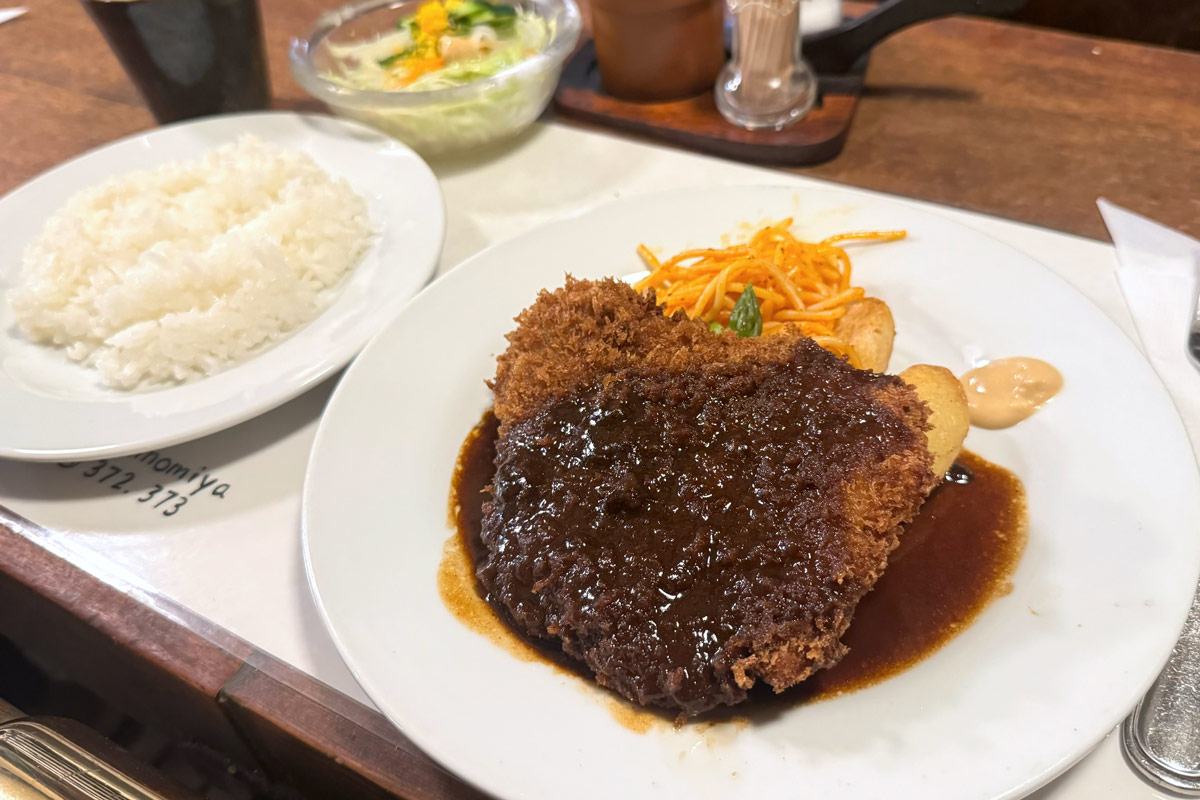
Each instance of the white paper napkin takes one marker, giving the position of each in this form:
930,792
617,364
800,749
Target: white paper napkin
11,13
1158,276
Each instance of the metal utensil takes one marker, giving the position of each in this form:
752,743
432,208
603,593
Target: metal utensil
49,758
1161,738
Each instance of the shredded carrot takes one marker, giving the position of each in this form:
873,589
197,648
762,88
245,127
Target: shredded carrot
801,284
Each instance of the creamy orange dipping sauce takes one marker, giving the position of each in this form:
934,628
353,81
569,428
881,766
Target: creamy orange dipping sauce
1002,393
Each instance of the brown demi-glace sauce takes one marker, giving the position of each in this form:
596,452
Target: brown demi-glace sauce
953,559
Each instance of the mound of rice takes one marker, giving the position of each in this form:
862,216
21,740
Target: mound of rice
172,274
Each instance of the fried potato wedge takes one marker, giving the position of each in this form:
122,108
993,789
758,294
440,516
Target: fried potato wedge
869,328
948,418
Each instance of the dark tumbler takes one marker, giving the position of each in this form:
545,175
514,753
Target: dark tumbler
188,58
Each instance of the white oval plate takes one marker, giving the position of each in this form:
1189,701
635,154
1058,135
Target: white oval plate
1040,677
54,409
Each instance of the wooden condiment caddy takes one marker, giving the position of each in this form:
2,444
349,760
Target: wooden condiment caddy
839,58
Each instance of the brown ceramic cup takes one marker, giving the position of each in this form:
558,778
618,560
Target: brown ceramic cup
655,50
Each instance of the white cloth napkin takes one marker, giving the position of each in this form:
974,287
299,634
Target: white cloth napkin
11,13
1158,276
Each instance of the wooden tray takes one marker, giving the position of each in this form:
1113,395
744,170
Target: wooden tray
697,124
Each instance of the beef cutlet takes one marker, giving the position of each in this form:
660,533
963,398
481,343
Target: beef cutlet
688,513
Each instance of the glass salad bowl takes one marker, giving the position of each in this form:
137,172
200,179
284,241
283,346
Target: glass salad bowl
433,121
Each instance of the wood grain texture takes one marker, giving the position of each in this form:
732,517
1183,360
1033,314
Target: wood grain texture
325,743
1170,22
1006,119
1029,124
115,642
169,668
696,123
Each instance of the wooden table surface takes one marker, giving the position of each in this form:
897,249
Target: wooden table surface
1019,122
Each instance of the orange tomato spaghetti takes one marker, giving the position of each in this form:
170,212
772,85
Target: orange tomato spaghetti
797,283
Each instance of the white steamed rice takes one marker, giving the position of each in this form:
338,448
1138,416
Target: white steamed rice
171,274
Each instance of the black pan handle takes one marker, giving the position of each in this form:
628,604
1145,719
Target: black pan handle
836,51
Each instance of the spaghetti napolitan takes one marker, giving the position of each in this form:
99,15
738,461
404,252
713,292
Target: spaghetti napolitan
804,285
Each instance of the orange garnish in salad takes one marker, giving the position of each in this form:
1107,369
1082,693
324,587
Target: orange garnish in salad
432,19
417,66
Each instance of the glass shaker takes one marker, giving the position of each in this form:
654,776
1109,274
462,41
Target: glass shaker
765,85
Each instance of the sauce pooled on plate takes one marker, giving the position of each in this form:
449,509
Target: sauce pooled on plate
953,559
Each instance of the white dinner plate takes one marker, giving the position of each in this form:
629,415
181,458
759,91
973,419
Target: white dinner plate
54,409
1041,676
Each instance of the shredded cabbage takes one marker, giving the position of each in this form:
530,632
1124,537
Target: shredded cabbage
532,34
442,126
